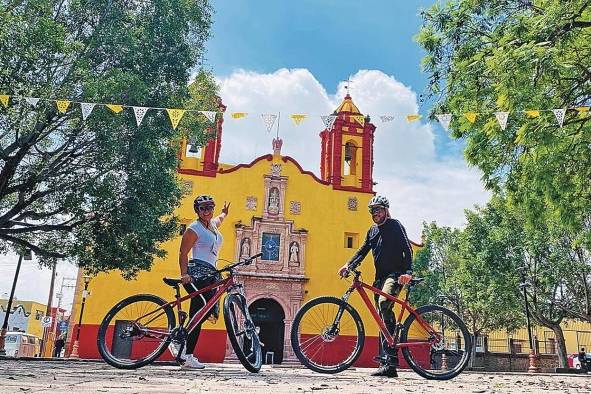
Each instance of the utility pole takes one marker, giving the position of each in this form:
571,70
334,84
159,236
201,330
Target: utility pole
46,330
9,307
59,297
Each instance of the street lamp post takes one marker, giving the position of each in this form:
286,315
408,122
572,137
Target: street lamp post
9,307
533,357
74,353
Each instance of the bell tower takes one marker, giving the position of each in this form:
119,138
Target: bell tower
347,149
203,160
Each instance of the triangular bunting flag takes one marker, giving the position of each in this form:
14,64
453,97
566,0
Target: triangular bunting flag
210,115
386,118
297,118
269,120
444,120
86,109
359,119
328,121
502,118
139,113
532,113
238,115
175,116
471,116
583,111
4,99
559,113
413,117
32,100
115,107
62,105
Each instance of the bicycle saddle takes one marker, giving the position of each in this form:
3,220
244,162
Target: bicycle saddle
171,281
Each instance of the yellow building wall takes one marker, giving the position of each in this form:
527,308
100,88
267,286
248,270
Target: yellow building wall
31,307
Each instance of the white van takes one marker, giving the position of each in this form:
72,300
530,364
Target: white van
21,344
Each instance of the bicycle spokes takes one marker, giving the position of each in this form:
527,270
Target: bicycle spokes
442,347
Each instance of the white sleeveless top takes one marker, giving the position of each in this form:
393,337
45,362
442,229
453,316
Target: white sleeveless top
208,242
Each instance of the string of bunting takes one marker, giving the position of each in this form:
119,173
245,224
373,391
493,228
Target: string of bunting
176,114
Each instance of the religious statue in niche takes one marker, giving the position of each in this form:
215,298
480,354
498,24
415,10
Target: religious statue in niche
294,252
274,200
245,248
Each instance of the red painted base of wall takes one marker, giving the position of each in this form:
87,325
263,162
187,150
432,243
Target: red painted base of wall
211,347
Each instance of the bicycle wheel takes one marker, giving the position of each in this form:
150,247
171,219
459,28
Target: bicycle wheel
135,331
242,333
327,335
438,359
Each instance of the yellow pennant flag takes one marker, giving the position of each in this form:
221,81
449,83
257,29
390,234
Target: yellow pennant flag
4,99
297,118
115,107
360,119
413,117
238,115
583,111
175,116
471,116
533,113
62,105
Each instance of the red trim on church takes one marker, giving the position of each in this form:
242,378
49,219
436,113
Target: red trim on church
291,159
268,157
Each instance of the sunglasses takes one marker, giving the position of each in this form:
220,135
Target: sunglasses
206,208
374,210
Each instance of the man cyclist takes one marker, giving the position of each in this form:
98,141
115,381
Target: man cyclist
392,255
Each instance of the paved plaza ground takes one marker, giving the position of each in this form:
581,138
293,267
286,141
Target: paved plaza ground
95,377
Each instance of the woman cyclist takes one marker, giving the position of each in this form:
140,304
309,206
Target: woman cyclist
204,240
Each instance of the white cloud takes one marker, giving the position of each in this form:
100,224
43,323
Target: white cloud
420,185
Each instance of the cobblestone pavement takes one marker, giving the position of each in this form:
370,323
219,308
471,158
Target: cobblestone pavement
92,377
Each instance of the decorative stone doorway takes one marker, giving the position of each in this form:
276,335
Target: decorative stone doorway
269,317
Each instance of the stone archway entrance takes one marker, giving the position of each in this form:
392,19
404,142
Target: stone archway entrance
269,316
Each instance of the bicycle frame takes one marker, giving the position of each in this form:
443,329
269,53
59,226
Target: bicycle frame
392,340
223,286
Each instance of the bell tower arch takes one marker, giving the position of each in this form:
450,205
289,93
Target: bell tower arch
347,149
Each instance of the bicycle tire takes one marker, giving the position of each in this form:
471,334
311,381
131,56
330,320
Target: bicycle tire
416,365
102,340
300,347
242,333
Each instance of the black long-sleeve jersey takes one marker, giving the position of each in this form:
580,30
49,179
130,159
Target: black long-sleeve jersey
390,247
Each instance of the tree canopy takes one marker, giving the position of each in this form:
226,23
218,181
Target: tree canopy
100,191
514,55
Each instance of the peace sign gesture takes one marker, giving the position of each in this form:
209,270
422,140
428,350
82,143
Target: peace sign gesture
226,208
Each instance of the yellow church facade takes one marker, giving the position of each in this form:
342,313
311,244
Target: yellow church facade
305,225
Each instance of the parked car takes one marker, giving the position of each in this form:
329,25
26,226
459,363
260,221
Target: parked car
20,344
573,361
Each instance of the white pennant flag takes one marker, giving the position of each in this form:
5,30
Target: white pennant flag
328,121
502,118
559,113
210,115
32,100
269,120
139,113
444,120
86,109
386,118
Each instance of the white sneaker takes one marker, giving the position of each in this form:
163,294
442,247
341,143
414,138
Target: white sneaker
191,362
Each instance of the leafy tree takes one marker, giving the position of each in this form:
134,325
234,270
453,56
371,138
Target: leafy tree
515,55
99,191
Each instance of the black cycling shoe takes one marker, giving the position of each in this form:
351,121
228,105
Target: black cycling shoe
388,371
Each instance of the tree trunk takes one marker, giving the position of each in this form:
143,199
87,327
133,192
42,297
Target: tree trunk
561,346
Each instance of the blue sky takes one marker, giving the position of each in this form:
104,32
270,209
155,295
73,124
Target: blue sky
333,39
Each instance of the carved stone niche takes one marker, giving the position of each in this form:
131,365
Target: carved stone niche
291,256
275,187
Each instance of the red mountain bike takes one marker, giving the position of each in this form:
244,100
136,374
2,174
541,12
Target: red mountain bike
327,334
140,328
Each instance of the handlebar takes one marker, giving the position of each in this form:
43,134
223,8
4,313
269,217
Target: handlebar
246,261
